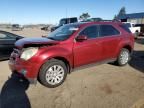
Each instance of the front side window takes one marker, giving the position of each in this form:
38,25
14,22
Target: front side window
108,30
90,32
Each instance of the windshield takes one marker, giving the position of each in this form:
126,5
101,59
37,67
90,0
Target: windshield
63,32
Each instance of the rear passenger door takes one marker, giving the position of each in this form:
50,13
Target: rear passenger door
110,41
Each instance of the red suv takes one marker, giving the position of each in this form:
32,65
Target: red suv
49,59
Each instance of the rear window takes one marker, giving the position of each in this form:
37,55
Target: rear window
125,28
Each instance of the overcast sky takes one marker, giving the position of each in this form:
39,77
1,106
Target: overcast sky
50,11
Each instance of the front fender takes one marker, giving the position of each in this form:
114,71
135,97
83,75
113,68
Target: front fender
46,55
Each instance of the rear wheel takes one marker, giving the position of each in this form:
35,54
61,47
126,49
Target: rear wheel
136,34
123,57
53,73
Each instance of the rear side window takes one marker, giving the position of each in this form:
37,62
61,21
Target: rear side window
108,30
91,31
125,28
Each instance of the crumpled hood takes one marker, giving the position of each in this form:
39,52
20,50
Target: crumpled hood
34,41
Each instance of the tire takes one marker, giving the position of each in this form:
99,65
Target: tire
53,73
124,57
136,34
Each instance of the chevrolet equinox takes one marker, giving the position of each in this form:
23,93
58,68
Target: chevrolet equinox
49,59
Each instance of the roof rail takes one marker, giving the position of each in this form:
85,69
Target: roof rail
115,20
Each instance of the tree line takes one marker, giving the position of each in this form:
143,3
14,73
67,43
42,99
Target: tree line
86,16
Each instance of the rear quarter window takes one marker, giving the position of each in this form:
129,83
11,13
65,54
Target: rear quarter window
123,26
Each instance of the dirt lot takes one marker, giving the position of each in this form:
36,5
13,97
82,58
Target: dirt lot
102,86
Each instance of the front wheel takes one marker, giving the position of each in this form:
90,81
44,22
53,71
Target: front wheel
123,57
53,73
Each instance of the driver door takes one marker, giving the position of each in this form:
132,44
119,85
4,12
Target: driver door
90,50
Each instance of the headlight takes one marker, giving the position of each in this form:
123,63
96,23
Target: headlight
28,53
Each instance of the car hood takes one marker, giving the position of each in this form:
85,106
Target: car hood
34,42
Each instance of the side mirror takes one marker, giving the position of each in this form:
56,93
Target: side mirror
81,38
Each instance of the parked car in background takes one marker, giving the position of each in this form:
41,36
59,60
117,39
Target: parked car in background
141,29
46,28
49,59
64,21
7,41
135,30
16,27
